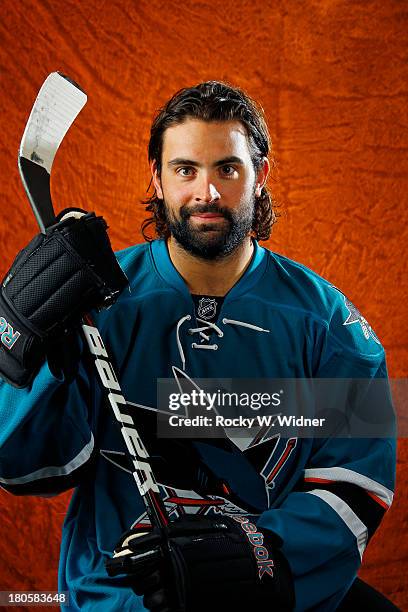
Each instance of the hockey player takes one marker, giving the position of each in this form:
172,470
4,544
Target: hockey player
265,520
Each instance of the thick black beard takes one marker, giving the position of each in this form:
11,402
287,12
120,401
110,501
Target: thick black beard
206,242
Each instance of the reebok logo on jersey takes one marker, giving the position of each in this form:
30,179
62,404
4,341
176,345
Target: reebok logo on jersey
207,308
256,538
8,335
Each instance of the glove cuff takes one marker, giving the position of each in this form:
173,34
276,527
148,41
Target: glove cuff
274,577
20,349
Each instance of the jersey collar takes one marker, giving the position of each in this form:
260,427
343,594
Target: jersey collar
171,276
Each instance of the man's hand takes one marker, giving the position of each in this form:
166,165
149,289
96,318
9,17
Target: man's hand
203,563
57,278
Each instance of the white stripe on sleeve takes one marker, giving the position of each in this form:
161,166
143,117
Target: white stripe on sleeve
340,474
54,470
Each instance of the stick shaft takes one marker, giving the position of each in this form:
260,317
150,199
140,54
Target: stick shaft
139,458
59,101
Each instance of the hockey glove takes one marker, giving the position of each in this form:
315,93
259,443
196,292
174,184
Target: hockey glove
203,563
56,279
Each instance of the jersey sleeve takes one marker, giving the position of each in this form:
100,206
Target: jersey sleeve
347,485
46,434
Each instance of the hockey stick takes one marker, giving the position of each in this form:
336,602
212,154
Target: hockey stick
57,105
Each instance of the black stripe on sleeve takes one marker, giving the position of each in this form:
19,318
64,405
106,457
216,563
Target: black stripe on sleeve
368,511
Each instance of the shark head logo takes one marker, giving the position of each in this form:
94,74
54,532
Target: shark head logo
189,470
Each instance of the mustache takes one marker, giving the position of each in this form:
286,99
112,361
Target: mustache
187,211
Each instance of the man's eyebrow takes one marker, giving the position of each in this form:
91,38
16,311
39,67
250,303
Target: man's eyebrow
181,161
232,159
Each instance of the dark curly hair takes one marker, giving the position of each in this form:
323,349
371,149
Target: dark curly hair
212,101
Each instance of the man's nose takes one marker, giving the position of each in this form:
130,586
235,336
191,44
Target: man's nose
207,192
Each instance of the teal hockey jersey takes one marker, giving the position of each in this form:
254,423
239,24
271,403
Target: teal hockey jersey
323,496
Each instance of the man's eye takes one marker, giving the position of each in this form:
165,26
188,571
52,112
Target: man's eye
227,170
185,171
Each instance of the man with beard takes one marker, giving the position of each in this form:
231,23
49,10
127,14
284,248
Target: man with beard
262,520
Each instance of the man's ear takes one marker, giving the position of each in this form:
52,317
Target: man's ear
262,176
156,179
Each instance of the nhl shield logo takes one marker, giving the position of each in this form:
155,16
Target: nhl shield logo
207,308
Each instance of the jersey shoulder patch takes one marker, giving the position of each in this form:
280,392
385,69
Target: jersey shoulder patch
317,297
351,329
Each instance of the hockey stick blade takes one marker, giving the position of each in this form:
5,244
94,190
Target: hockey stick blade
55,109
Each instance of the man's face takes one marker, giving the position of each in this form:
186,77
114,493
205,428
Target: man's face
208,184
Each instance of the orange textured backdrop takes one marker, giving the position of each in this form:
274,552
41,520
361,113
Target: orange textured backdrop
332,78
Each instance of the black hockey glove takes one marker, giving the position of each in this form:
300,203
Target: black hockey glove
202,563
56,279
